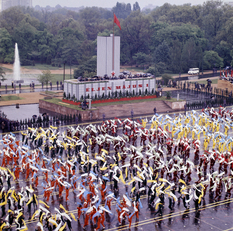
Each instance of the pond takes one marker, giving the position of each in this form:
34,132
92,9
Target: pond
23,112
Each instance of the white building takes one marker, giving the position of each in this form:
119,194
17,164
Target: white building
104,55
5,4
97,88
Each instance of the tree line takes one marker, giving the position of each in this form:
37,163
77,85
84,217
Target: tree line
167,38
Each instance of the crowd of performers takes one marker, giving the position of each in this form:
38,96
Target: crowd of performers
112,168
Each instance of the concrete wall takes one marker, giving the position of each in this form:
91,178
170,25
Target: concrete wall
104,55
86,115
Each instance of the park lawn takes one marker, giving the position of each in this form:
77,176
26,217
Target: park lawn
47,67
59,77
10,97
77,107
214,81
7,70
133,69
135,101
55,78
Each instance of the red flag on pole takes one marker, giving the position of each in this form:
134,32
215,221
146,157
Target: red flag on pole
117,21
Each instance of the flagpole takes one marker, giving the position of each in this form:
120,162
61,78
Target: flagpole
113,46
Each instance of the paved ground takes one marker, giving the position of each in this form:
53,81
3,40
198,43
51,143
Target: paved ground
142,108
212,215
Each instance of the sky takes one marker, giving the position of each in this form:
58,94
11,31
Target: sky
110,3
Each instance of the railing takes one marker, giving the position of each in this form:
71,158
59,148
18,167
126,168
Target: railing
200,96
45,121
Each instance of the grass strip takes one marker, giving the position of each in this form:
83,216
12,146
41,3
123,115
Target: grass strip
10,97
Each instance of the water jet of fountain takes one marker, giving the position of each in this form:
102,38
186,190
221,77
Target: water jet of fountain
17,66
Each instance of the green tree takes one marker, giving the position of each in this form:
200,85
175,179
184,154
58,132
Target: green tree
135,35
122,10
161,12
2,74
25,34
69,46
161,67
183,14
45,78
169,33
141,59
54,22
90,18
11,18
166,78
211,59
224,51
44,47
88,69
162,53
6,47
136,7
175,55
153,70
211,20
191,55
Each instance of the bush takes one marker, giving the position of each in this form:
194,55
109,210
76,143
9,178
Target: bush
168,94
153,71
161,67
26,62
120,93
166,78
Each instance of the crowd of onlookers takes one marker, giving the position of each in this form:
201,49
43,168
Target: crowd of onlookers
123,75
9,125
227,74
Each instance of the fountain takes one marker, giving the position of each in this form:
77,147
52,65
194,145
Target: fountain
17,66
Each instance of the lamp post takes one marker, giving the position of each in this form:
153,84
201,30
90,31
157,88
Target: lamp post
64,72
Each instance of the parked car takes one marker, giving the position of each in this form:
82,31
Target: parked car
193,71
126,72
